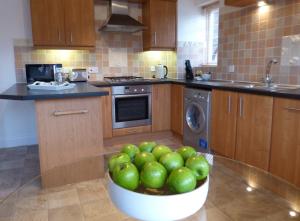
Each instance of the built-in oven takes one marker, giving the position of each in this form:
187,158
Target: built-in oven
131,106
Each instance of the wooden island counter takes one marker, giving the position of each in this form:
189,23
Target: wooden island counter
70,136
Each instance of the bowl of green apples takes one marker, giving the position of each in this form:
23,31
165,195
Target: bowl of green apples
153,182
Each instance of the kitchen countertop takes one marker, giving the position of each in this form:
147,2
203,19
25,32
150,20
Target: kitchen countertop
207,85
21,92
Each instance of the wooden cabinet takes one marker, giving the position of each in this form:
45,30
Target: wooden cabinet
161,107
285,148
79,23
223,124
107,115
48,28
70,140
254,127
63,23
240,3
241,126
160,18
177,109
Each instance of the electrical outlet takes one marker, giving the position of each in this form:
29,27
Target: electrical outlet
93,70
231,68
152,68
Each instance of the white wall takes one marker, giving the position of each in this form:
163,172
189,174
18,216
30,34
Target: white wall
190,21
17,118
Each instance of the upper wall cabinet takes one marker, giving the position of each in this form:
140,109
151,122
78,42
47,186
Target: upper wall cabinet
160,18
63,23
240,3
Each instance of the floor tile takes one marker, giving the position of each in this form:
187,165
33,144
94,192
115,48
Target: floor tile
91,191
68,213
31,215
97,208
63,198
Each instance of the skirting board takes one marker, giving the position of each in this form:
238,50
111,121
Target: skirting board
17,141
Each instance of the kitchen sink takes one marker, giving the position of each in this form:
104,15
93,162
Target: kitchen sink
257,85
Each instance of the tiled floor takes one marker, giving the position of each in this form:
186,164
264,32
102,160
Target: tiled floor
17,167
89,201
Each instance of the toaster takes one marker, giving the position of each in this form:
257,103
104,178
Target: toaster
78,75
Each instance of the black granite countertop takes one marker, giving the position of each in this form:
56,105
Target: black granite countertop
207,85
21,92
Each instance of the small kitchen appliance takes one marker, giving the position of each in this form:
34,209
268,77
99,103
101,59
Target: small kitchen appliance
78,75
189,75
161,71
41,72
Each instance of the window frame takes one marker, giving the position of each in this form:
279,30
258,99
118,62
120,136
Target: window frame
207,12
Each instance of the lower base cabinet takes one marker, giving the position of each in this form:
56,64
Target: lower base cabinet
107,115
70,140
161,107
285,149
254,128
177,109
241,126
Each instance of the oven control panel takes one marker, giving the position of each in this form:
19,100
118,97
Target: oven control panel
132,89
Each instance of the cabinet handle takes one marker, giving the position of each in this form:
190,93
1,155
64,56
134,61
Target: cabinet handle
229,104
63,113
155,38
241,106
71,37
292,109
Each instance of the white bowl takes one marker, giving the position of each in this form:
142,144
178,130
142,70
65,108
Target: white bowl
157,208
206,77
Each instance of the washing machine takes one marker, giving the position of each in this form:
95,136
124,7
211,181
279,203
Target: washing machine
197,105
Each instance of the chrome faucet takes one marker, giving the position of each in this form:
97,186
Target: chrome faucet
268,78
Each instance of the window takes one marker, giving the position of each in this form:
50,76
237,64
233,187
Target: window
212,33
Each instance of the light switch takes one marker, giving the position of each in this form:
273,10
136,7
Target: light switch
231,68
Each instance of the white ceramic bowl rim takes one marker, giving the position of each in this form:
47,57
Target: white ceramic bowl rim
157,196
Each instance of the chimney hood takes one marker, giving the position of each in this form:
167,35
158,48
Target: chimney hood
119,20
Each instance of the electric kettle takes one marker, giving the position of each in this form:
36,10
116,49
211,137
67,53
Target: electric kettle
161,71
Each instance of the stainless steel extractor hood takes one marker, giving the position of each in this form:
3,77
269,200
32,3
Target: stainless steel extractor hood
119,20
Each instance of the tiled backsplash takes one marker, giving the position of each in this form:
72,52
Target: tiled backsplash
116,54
249,38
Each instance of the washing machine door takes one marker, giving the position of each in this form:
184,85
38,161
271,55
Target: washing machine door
195,117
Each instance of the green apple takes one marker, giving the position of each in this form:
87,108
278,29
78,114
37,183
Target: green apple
160,150
142,158
131,150
187,152
181,180
153,175
126,175
171,161
117,159
147,146
199,166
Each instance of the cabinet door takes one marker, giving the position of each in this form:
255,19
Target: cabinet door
177,109
162,24
223,126
107,115
285,150
254,127
70,140
161,107
80,27
47,22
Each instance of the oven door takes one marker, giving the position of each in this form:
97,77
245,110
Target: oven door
131,110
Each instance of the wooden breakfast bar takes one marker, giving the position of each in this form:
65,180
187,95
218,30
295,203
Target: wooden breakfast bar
70,134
